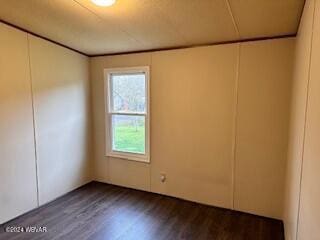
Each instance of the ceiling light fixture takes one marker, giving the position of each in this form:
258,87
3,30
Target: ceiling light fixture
104,3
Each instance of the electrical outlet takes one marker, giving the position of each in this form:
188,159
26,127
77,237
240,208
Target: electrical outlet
163,177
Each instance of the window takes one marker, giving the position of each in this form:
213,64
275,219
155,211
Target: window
127,113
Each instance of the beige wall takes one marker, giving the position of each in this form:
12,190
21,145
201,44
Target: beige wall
302,211
297,121
263,114
18,191
303,217
192,123
197,125
56,151
309,219
60,80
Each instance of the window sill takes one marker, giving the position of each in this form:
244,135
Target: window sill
129,157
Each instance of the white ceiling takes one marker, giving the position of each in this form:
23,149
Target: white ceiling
136,25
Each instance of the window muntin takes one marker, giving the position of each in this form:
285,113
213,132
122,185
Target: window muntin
127,113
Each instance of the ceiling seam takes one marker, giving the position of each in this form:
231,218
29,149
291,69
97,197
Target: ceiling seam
104,20
233,19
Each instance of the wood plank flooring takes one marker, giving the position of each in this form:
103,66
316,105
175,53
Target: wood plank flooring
100,211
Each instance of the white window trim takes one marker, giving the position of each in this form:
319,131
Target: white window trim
108,115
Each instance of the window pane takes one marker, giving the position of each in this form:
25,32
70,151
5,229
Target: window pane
128,92
128,133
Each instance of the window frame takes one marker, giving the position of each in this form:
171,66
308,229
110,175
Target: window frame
109,152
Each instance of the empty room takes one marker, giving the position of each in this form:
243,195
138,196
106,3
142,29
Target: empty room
160,119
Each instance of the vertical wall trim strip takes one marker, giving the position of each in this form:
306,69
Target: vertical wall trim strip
235,127
305,121
92,136
33,120
150,119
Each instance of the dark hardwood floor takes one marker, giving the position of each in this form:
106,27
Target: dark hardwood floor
102,211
